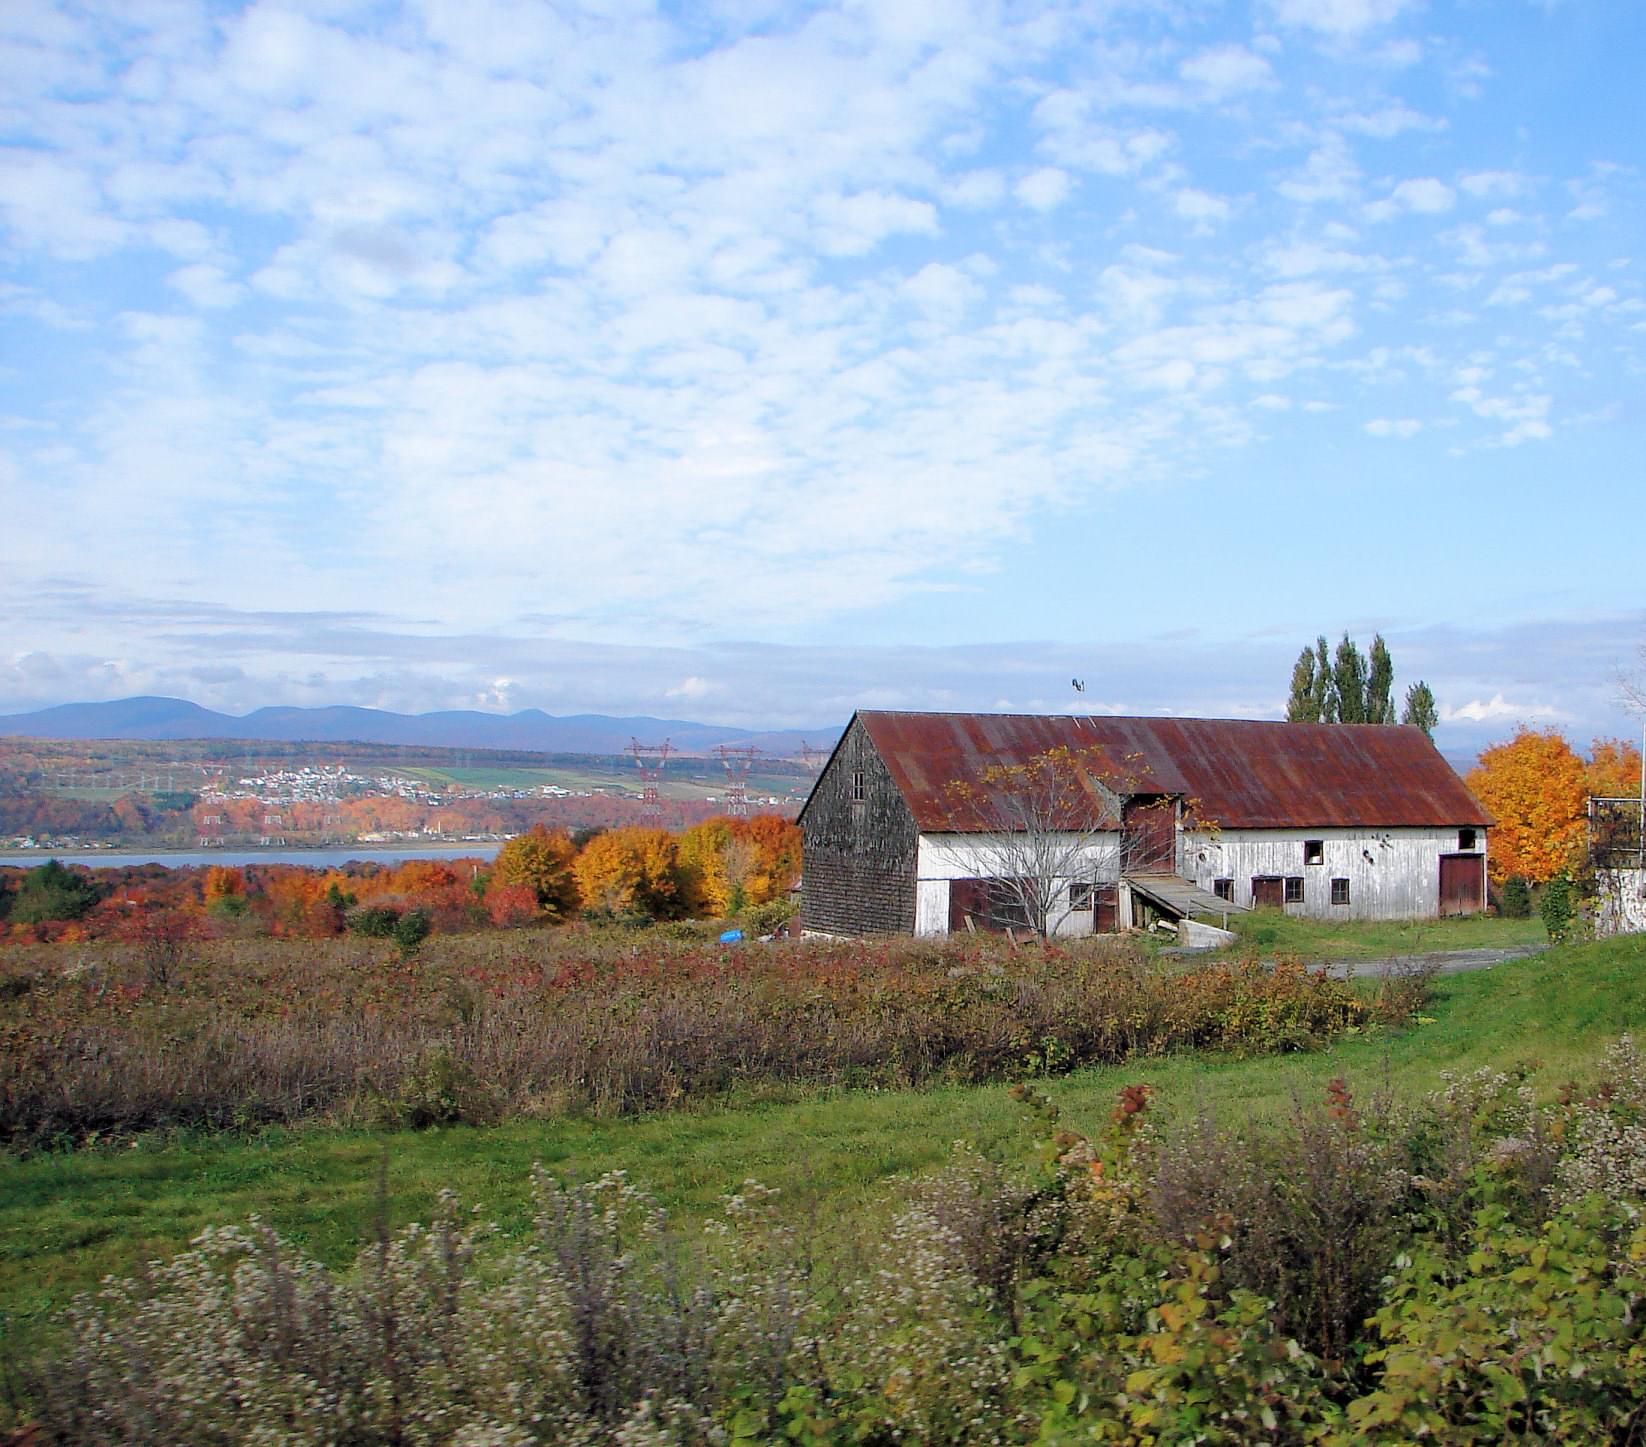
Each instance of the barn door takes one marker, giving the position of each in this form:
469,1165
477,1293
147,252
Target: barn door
1105,909
1462,883
1268,891
1148,837
968,898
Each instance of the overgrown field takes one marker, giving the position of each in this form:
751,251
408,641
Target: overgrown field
236,1034
1396,1238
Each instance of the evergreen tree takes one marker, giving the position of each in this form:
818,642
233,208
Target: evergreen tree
52,892
1380,683
1420,708
1349,679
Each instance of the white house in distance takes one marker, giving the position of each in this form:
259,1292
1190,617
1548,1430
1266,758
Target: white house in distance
912,824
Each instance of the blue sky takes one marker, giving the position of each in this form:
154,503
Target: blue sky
750,361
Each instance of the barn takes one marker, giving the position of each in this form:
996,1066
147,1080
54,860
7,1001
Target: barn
928,823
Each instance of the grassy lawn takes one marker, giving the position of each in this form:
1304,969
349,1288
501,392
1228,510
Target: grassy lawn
67,1219
1275,933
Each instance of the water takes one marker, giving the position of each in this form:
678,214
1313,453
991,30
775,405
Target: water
311,858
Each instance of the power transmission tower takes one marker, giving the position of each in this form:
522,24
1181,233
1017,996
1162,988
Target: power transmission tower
650,759
738,762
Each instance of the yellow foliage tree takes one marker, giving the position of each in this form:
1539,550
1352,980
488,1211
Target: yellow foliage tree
1535,785
543,861
630,871
705,891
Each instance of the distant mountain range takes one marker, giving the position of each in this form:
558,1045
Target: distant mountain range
531,729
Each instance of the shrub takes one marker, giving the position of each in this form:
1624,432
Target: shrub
410,930
1557,908
1515,901
1141,1285
610,1021
375,921
768,918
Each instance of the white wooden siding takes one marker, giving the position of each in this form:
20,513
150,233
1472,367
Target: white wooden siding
1392,873
943,857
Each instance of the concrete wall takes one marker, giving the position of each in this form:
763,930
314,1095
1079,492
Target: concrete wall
1392,873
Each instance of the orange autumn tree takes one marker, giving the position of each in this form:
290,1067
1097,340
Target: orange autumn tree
541,860
1536,786
776,871
727,864
1614,770
630,871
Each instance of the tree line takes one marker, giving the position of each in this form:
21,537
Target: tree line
1350,687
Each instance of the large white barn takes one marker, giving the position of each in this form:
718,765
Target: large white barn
918,818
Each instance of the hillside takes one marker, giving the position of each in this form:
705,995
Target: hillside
531,729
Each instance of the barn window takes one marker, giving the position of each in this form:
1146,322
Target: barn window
1080,895
1340,891
857,786
1314,851
1465,838
1294,889
1223,888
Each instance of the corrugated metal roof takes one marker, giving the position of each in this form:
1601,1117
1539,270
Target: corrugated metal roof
1234,773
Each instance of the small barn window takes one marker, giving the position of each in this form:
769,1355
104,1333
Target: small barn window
1080,895
858,793
1340,891
1223,888
1294,889
1314,851
1465,838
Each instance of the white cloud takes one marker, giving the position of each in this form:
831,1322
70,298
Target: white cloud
1044,189
1493,185
1497,708
1425,195
1199,207
1393,427
1340,19
1227,70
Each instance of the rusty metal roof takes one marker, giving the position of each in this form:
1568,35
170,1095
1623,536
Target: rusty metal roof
1233,773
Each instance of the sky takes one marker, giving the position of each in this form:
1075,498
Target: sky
751,362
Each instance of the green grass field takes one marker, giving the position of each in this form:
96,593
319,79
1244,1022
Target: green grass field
1275,933
67,1219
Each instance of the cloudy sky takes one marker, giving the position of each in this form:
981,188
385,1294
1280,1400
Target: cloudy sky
747,361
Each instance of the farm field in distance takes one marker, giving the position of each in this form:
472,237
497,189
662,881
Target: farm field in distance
68,795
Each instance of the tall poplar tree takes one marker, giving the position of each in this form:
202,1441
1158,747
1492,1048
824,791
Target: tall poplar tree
1380,683
1304,704
1349,676
1420,708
